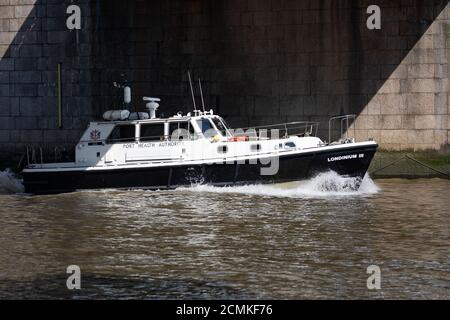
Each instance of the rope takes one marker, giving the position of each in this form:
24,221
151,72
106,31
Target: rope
390,164
427,166
406,156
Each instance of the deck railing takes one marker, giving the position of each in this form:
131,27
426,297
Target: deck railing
37,154
281,130
344,125
264,132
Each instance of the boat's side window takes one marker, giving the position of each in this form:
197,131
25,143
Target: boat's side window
181,131
122,133
152,132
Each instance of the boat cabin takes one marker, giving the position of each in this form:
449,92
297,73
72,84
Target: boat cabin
200,135
204,125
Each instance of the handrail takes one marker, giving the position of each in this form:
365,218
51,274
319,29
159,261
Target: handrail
342,118
287,127
36,154
281,124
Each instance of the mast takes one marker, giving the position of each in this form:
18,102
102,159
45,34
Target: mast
201,94
192,91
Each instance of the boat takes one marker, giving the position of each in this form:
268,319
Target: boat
140,150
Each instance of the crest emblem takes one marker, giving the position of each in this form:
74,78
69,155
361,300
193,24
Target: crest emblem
95,134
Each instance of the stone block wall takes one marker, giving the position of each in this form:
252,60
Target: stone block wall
33,40
411,110
265,61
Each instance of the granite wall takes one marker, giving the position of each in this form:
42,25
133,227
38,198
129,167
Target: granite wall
261,61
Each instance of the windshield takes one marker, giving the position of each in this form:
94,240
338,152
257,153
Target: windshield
207,128
220,126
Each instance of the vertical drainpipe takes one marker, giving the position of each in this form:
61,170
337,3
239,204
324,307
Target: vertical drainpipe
59,96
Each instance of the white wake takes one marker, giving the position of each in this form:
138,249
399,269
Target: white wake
9,184
323,185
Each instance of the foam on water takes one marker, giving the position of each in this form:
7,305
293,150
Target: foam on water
329,184
323,185
9,184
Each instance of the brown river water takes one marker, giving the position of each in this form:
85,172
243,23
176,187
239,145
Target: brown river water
305,240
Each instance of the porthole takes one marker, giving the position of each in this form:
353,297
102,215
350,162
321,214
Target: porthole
222,149
255,147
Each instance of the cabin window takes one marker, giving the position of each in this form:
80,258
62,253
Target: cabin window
222,149
207,128
255,147
181,131
220,126
152,132
122,133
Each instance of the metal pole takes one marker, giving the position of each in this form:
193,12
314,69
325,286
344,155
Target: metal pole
346,129
329,131
192,91
201,94
59,95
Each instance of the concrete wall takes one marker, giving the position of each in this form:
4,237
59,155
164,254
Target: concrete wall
260,61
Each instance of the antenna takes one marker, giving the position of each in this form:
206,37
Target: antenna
192,91
201,94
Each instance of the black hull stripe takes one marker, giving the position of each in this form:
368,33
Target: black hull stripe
291,168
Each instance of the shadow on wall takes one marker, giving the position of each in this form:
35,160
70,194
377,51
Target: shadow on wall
260,61
34,39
